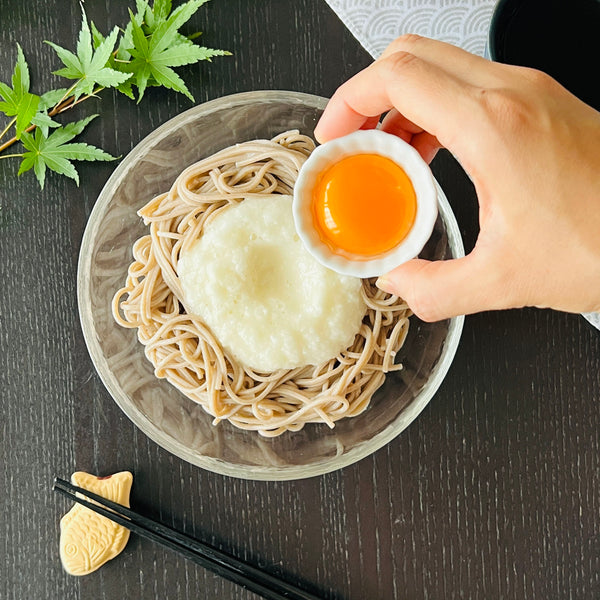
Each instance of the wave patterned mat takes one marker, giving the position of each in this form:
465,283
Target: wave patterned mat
375,23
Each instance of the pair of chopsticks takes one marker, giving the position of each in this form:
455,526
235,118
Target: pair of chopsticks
211,558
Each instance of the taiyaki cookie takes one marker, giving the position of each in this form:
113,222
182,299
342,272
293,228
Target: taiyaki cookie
87,539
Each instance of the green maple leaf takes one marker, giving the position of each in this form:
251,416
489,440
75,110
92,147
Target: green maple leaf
52,98
119,59
89,65
18,101
155,46
55,153
161,10
97,36
27,109
166,31
20,78
44,122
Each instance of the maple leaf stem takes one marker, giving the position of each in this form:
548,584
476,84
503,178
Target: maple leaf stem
11,155
68,103
7,144
14,139
8,127
65,98
62,106
10,142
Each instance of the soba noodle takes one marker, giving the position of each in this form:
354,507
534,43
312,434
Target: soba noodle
184,351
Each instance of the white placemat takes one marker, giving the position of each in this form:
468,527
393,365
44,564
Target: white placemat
375,23
593,318
464,23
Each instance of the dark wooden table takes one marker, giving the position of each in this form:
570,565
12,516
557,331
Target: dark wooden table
494,492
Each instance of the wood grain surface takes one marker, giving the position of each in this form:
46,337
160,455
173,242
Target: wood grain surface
494,492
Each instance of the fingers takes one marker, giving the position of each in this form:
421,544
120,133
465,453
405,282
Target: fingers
370,123
426,145
426,95
456,61
397,124
443,289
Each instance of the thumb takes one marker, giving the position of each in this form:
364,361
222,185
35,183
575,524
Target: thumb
443,289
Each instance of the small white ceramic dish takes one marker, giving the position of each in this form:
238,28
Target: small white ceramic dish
366,142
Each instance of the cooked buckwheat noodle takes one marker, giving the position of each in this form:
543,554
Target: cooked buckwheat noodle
182,348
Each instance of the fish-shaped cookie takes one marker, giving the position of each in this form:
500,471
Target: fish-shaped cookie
87,539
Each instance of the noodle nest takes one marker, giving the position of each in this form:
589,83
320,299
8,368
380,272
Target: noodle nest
185,352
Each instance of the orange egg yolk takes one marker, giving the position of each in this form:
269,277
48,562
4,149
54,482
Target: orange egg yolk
363,205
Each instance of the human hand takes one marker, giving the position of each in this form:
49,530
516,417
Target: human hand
530,147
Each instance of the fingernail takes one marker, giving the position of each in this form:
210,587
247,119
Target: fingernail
317,134
384,285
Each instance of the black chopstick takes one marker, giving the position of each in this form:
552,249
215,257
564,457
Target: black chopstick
208,556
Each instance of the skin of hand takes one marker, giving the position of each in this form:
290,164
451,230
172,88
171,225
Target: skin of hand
532,150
